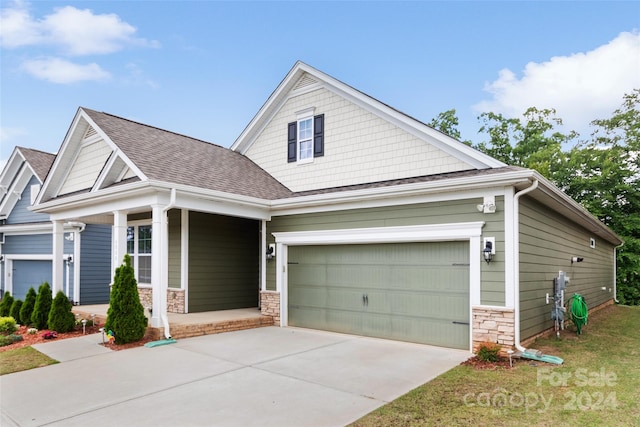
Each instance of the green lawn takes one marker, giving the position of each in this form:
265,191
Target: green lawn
598,384
22,359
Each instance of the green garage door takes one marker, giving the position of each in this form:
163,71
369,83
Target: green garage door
416,292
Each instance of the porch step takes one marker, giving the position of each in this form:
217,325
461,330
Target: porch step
194,330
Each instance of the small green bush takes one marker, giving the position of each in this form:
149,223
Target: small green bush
27,307
5,305
61,318
489,352
9,339
40,315
15,310
7,325
125,316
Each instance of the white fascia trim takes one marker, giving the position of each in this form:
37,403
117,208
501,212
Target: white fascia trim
24,229
15,191
28,257
466,187
11,168
412,233
39,228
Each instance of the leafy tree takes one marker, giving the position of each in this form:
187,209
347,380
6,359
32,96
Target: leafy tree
40,315
5,305
530,144
61,318
15,310
27,307
448,123
604,176
125,316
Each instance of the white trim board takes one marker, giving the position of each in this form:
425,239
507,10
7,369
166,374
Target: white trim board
470,231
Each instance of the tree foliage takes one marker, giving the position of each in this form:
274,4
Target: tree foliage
61,317
40,315
5,304
602,173
27,307
125,316
15,310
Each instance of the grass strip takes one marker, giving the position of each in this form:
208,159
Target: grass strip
22,359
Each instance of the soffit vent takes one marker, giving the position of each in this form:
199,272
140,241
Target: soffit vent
305,80
90,132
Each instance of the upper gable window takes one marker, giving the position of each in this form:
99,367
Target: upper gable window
305,137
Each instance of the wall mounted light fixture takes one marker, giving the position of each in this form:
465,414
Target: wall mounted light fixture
271,251
489,249
576,259
488,205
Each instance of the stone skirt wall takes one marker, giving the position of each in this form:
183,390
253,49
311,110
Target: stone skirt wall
270,305
495,325
175,299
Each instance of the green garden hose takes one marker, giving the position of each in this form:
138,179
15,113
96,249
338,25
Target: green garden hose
579,312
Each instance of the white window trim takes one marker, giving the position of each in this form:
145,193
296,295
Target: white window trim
301,116
469,231
135,253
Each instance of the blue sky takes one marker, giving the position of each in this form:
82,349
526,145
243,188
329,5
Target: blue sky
204,68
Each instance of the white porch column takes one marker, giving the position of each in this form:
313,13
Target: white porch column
118,240
159,264
57,272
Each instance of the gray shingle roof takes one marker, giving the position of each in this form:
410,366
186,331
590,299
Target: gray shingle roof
170,157
40,161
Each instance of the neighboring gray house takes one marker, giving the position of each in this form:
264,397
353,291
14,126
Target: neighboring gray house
26,240
332,211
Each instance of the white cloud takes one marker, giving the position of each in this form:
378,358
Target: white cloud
76,31
581,87
58,70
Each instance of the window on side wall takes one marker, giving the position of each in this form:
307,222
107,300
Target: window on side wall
305,139
139,248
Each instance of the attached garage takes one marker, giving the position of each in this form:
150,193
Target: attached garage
417,292
28,273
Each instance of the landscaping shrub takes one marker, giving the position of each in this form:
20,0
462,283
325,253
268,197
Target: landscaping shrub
61,319
9,339
5,305
40,315
488,352
125,316
7,325
15,310
27,307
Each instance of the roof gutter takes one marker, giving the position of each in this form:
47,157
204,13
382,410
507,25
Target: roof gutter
516,261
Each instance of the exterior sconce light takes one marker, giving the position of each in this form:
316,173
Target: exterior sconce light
489,249
271,251
576,259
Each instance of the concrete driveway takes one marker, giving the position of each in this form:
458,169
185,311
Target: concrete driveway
258,377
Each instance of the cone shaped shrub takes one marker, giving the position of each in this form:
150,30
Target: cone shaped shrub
125,316
27,307
40,315
5,305
15,310
61,319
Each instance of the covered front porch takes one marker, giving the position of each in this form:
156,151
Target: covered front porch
192,324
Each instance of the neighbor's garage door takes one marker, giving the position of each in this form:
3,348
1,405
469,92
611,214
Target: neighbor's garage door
28,273
416,292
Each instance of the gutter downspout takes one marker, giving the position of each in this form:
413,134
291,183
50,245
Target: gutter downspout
163,314
615,273
516,267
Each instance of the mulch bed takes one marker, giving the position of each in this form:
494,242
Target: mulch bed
37,338
477,363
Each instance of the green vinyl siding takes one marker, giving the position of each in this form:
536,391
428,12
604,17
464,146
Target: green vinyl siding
175,247
548,241
492,289
223,262
416,292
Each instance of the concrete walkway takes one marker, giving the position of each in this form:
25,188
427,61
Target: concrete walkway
258,377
